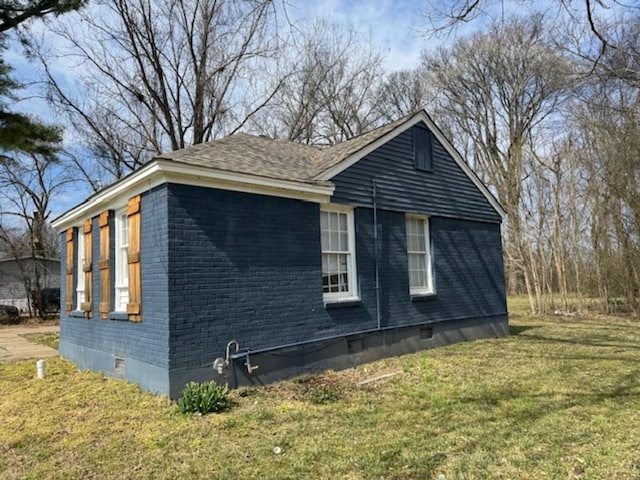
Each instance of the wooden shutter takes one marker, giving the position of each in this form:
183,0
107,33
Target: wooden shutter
69,272
134,305
86,268
103,265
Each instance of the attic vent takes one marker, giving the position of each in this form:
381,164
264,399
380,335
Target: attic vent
422,152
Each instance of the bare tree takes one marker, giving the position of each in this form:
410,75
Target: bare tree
27,188
445,15
498,88
160,75
609,124
330,93
404,92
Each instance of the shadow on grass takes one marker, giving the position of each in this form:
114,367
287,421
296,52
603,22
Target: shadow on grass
519,329
523,417
559,375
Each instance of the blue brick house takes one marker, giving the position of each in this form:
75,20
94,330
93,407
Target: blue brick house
267,259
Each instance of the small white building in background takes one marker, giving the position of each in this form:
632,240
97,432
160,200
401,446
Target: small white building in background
13,272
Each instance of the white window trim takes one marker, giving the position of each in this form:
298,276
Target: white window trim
352,293
121,282
429,288
80,286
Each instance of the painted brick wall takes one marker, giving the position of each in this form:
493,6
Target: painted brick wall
146,342
248,267
244,267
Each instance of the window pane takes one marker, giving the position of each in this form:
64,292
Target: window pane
324,240
423,279
343,221
125,267
333,221
336,256
411,226
79,265
122,261
334,232
344,241
334,240
413,278
343,285
418,254
335,277
412,244
413,264
334,263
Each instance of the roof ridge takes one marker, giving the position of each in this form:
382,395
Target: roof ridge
330,156
398,121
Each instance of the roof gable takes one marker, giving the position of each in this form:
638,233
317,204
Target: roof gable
334,160
390,178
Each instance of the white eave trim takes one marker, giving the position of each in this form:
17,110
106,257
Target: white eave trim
420,116
161,171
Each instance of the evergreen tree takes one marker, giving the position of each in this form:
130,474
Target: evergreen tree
20,132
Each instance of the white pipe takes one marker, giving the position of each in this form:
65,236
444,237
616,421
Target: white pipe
41,367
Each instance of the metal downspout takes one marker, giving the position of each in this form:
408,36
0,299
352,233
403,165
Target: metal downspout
375,248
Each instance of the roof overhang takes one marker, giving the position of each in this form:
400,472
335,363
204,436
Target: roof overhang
420,116
161,171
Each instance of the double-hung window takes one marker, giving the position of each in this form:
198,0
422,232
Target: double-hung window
122,261
338,253
80,290
419,255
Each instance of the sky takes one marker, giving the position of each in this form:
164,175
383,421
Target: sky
395,27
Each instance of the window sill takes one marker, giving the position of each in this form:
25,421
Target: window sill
342,302
78,314
118,316
423,297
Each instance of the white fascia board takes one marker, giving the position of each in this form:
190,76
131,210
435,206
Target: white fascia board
113,197
182,173
160,171
420,116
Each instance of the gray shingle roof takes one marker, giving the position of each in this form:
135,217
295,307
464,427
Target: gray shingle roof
277,159
244,153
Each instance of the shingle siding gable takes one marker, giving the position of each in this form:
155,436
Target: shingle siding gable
445,191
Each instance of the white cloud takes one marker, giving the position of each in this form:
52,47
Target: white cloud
392,24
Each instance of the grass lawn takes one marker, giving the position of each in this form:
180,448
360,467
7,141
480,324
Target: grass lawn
47,339
559,398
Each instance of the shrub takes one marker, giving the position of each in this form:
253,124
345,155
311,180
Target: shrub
203,398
